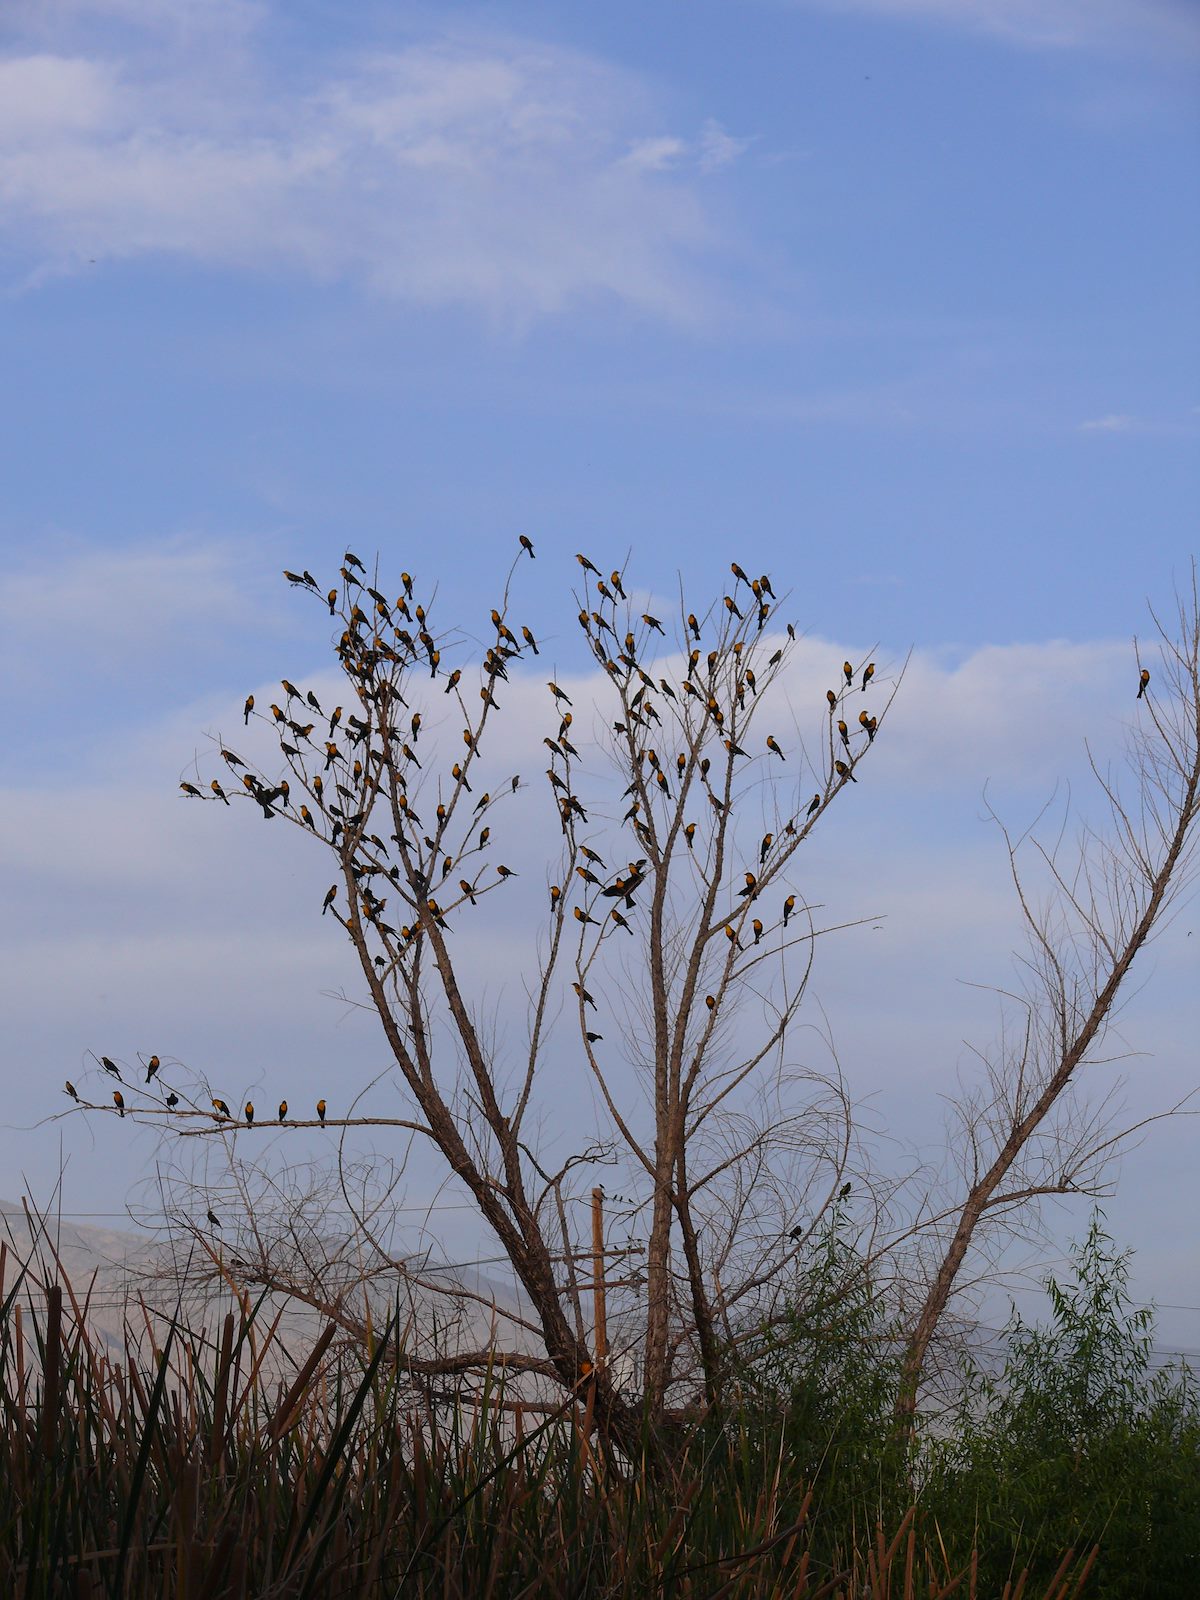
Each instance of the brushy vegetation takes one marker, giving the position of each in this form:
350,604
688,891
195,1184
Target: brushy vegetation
184,1471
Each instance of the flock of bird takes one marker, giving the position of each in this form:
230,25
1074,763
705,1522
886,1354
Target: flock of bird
219,1114
354,759
373,755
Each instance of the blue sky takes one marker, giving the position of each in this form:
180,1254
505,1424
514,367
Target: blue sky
898,295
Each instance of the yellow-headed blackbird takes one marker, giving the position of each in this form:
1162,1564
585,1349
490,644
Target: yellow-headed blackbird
615,579
557,692
555,895
772,746
335,716
814,805
587,876
844,732
69,1088
868,674
849,671
190,788
152,1067
689,833
218,791
249,1112
283,1111
734,749
452,680
232,760
213,1219
758,929
507,872
119,1101
289,689
789,905
831,697
738,573
406,580
110,1066
732,609
620,920
529,639
583,994
526,544
751,886
332,598
582,917
731,935
247,709
469,890
277,713
306,816
694,626
764,847
681,764
843,771
587,565
321,1110
872,724
221,1107
591,855
352,560
775,659
653,622
1143,681
710,1002
329,899
484,835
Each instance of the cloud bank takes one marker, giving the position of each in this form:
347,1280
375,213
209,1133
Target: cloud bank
509,176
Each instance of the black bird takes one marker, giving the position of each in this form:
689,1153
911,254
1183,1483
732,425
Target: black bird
69,1088
526,544
172,1099
283,1111
119,1101
152,1067
1143,682
214,1219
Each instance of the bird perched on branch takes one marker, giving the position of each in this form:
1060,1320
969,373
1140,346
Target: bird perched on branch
868,674
848,670
789,905
321,1111
119,1101
843,771
69,1088
526,544
249,1113
213,1219
110,1067
283,1111
221,1108
587,565
1143,682
774,748
152,1067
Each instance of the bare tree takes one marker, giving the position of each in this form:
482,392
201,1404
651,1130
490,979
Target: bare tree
1028,1132
673,908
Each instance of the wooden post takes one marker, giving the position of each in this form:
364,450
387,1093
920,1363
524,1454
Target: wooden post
600,1334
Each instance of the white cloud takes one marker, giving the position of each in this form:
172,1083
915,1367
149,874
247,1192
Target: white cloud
1114,422
497,174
